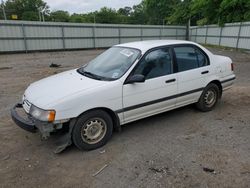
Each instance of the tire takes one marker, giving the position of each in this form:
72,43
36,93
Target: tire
92,130
208,98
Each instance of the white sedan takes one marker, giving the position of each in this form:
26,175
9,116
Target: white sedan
125,83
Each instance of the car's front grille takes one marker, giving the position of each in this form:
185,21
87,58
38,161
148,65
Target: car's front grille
26,105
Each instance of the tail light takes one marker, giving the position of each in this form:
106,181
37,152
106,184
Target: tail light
232,67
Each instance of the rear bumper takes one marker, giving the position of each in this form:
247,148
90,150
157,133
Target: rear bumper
25,123
228,82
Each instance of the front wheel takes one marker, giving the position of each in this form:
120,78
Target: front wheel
208,98
92,130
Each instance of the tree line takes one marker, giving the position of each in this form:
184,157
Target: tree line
155,12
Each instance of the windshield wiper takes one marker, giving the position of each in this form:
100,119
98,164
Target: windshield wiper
89,74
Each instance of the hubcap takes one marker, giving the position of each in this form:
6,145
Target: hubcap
93,130
210,98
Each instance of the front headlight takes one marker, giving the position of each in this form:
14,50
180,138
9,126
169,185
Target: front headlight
42,115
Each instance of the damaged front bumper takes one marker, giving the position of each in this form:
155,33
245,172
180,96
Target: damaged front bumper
26,122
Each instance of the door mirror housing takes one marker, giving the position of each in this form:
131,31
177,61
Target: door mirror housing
137,78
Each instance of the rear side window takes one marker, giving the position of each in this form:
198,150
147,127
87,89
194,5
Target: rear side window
189,58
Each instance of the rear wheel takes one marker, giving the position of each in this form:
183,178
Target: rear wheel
208,98
92,130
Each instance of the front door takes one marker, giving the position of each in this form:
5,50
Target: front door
157,93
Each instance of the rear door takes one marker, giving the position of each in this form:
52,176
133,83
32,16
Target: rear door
156,93
192,72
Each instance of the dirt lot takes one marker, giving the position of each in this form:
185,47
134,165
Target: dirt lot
167,150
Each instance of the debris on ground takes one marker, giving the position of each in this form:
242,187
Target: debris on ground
4,68
6,157
99,171
27,159
102,151
159,170
205,169
245,172
54,65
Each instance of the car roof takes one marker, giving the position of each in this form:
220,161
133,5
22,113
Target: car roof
148,44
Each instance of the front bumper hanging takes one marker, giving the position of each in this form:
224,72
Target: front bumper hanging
25,123
28,124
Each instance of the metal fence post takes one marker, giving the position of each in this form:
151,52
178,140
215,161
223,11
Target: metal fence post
176,33
141,33
196,34
221,28
238,37
24,39
161,32
119,33
206,35
93,31
63,38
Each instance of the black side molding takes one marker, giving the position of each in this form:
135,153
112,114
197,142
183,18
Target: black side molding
227,80
158,100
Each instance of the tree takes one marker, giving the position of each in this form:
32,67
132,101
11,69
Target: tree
234,11
207,11
181,14
158,10
30,15
27,9
77,18
138,14
106,15
60,16
126,11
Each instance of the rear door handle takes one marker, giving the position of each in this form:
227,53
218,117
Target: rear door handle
171,80
205,72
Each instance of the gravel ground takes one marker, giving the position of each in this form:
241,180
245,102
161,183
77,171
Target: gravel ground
180,148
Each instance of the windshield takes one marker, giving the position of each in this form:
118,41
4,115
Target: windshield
111,64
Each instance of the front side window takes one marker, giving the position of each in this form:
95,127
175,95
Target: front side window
189,58
111,64
155,64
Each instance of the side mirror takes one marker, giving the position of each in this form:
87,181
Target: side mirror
135,78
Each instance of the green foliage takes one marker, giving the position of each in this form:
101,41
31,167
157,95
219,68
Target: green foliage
181,14
30,15
157,12
106,15
221,11
60,16
25,9
234,11
138,15
77,18
126,11
208,9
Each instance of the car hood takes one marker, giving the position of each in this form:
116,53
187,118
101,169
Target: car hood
50,90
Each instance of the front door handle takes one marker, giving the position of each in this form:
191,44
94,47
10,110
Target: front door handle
171,80
205,72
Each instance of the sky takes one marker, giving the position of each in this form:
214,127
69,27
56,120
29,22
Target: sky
84,6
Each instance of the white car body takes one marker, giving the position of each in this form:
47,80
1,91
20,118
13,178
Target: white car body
71,94
61,100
